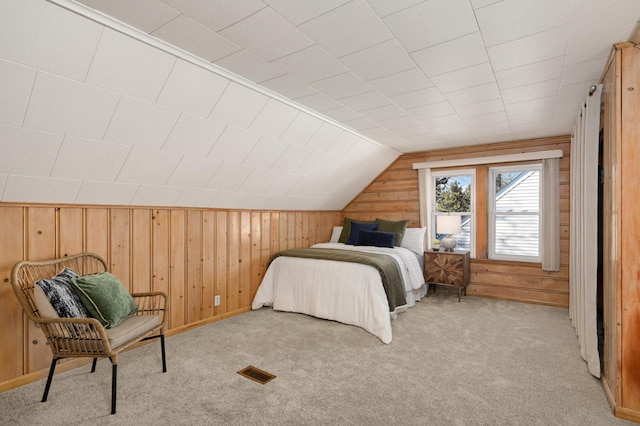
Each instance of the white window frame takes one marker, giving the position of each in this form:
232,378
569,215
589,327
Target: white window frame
455,172
492,212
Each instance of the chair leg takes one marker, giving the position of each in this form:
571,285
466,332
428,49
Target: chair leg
49,378
93,365
114,379
164,358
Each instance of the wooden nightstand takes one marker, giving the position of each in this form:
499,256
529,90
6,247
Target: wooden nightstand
447,268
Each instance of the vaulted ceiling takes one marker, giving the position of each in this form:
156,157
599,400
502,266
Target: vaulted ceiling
278,104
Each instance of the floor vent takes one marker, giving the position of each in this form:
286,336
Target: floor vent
256,374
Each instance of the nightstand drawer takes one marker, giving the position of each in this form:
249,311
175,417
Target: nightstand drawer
447,268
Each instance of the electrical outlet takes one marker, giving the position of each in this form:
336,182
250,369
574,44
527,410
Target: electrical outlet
216,300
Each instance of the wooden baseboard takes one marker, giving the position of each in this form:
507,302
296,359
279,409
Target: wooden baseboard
70,364
627,414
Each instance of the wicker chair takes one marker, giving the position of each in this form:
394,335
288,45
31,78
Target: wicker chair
86,337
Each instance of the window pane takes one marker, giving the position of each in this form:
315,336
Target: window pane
517,235
453,193
518,191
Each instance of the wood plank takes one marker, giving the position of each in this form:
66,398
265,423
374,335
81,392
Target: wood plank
12,320
233,258
140,259
161,230
208,263
96,239
177,267
193,283
256,255
119,253
222,264
71,230
244,261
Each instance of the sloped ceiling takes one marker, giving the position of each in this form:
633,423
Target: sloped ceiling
278,104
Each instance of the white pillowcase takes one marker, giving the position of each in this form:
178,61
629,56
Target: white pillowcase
414,239
335,235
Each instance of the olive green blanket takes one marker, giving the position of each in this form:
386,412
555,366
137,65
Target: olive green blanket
386,265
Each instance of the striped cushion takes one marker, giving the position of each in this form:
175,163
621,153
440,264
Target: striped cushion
62,296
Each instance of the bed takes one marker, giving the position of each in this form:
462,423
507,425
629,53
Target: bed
350,293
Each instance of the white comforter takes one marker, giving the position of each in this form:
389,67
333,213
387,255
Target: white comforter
350,293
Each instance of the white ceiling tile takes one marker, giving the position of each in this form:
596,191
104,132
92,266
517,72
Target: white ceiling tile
89,159
16,82
40,189
229,177
67,106
239,105
432,22
192,89
574,91
533,106
156,195
288,86
146,15
490,129
301,128
27,152
434,110
342,86
480,108
259,181
583,71
444,120
324,137
360,123
141,123
531,91
377,61
193,135
194,172
492,118
366,101
148,166
591,46
234,145
384,113
47,37
313,164
419,97
310,64
402,82
228,199
221,15
110,193
274,118
318,102
477,4
475,75
399,123
266,152
532,73
449,130
299,11
409,132
187,34
267,35
283,183
451,55
125,65
528,50
386,7
572,106
474,94
196,197
347,29
344,142
249,66
291,159
341,114
260,202
542,116
513,19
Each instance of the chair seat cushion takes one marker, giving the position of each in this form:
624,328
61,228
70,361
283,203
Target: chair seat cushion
131,328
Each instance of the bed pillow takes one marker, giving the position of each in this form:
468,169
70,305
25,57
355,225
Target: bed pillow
355,229
414,239
346,228
396,226
105,297
335,235
61,295
376,238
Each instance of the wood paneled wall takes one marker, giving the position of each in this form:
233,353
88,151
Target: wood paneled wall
394,195
191,254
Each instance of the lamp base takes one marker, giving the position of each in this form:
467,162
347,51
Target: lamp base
449,243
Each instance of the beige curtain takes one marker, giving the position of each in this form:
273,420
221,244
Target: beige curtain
550,238
425,189
583,243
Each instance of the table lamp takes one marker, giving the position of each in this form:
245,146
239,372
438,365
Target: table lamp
448,225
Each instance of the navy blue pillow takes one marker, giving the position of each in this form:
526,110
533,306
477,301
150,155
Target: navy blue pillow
356,227
376,238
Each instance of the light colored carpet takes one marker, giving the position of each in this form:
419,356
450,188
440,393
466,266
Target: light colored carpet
478,362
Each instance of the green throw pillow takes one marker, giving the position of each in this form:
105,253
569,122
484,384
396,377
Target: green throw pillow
396,226
105,298
346,228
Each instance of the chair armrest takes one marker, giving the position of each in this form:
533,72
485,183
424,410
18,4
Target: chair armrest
151,303
75,336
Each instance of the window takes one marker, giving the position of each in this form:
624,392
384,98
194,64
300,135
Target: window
454,195
514,212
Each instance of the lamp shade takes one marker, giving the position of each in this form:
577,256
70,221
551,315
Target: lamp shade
449,225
